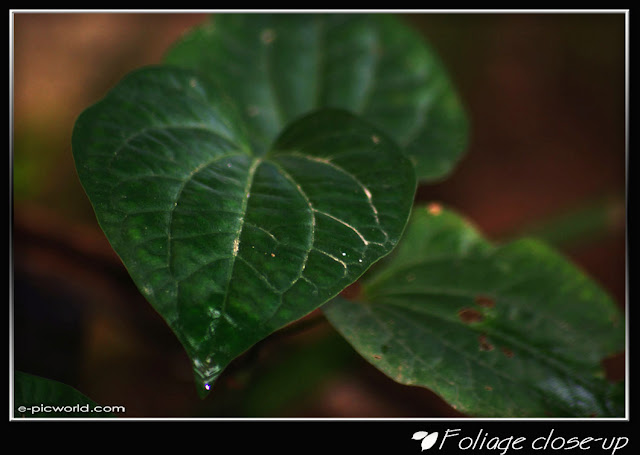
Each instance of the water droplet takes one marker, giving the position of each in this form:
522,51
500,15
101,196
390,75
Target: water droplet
359,260
344,254
207,372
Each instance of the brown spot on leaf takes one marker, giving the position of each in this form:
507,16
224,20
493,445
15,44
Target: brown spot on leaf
488,388
507,352
469,315
484,301
484,343
377,357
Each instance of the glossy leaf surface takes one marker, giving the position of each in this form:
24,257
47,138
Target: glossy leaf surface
278,67
228,243
512,330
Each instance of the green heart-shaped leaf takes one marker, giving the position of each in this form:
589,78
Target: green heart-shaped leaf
280,66
230,243
510,330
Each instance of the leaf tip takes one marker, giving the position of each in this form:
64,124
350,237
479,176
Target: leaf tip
204,388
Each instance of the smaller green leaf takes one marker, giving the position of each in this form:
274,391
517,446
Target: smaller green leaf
513,330
36,397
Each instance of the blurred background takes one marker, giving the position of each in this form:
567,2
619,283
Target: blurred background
546,99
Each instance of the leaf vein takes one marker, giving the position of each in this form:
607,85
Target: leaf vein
236,242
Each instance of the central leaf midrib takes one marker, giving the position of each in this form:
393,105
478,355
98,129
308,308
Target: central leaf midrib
271,158
236,242
176,199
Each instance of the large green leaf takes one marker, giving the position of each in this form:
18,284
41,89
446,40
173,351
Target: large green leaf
280,66
36,397
227,242
512,330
